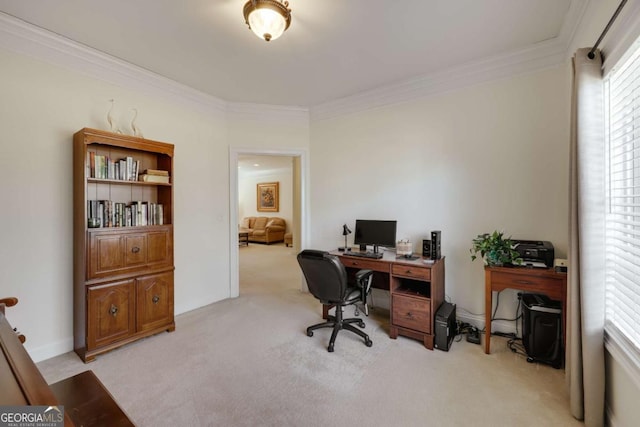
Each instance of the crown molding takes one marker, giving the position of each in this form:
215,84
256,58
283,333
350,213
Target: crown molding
540,56
29,40
269,113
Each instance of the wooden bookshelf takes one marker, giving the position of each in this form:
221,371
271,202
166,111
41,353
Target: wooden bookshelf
123,272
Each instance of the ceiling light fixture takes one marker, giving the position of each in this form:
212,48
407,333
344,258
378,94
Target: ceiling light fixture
268,19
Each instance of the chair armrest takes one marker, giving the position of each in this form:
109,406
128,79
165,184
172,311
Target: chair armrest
275,228
363,280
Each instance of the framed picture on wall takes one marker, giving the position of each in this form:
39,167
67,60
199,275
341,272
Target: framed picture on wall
268,197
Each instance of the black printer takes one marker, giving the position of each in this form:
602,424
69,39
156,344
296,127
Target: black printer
535,253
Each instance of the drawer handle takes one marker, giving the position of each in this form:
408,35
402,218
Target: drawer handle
113,310
155,299
523,282
135,249
409,314
408,272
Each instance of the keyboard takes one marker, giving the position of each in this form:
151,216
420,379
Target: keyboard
364,255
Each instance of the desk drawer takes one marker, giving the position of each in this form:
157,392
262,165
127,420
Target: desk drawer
359,263
412,313
418,273
552,286
522,281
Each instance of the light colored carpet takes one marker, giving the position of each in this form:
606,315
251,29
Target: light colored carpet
248,362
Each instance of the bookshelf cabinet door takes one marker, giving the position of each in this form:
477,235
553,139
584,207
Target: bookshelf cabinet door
159,248
154,294
135,249
110,314
105,255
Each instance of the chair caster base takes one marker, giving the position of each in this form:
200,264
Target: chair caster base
330,349
309,333
368,343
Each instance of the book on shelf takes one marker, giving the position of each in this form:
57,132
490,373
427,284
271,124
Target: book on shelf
103,167
106,213
129,162
156,172
154,178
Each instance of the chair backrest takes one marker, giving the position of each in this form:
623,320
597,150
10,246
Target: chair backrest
325,275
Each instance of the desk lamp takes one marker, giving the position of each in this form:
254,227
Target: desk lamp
345,233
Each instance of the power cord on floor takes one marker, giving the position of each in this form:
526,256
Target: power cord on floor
473,334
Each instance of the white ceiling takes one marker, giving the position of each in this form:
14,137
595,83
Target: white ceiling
333,49
249,164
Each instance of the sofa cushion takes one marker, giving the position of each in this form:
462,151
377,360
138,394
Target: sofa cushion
275,221
246,223
260,223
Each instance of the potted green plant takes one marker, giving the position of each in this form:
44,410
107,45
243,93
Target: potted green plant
495,249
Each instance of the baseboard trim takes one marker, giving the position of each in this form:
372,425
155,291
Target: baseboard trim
48,351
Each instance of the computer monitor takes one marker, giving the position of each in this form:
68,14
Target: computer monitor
376,233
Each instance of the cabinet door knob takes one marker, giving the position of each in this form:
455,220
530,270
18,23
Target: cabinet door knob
135,249
113,310
409,314
155,299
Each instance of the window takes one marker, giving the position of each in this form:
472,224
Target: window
622,273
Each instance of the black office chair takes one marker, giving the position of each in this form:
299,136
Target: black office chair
327,281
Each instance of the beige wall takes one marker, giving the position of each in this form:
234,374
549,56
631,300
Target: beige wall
492,156
42,106
247,191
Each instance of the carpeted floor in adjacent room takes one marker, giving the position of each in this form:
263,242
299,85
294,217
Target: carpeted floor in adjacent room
248,362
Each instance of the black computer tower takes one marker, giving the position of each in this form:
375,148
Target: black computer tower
542,329
445,326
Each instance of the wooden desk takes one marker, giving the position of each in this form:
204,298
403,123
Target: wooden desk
416,290
532,280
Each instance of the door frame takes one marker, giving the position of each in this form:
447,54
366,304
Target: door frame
300,242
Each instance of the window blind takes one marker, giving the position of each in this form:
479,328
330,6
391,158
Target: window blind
622,292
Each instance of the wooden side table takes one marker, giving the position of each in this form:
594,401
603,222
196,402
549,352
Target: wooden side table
243,238
533,280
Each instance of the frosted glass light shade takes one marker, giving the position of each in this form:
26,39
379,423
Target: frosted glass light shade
268,19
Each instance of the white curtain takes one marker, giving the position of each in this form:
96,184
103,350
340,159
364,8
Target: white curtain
585,338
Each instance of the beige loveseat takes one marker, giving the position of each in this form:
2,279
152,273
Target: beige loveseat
264,229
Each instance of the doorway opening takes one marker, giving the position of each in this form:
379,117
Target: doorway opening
296,212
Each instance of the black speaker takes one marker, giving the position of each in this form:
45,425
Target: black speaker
542,329
435,244
426,248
